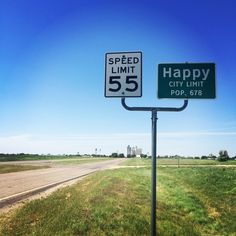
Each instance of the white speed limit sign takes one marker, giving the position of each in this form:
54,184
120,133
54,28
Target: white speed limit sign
123,74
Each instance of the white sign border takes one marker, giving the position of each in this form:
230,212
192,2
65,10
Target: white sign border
141,73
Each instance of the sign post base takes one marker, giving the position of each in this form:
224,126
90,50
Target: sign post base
154,111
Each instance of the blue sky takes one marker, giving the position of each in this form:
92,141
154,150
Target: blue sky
52,75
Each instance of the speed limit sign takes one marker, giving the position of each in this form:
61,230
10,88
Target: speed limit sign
123,74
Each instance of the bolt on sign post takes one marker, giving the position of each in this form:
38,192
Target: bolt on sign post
123,78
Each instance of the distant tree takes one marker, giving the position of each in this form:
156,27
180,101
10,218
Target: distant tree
130,156
114,154
121,155
223,155
143,156
204,157
211,156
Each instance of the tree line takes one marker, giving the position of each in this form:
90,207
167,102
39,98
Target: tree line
223,156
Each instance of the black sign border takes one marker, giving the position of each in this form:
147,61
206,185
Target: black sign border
141,83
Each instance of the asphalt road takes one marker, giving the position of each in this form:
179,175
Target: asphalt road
19,185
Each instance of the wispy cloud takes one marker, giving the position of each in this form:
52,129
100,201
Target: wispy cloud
194,134
87,143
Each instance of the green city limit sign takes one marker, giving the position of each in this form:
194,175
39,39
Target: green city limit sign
186,80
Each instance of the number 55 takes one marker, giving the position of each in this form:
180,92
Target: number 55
130,80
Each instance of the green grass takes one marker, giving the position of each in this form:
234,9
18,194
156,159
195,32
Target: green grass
163,161
106,203
32,157
190,201
200,200
8,168
182,162
15,168
137,162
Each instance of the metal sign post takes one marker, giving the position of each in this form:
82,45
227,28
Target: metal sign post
154,111
123,78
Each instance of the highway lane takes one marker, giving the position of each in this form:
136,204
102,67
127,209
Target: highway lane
19,185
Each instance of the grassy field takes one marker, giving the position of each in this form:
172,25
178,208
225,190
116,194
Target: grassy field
8,168
181,162
82,160
190,201
33,157
15,168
